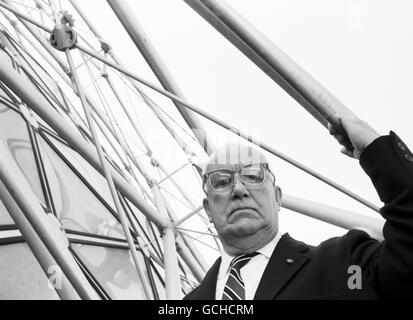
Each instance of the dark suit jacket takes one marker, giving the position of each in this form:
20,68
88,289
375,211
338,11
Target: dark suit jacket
299,271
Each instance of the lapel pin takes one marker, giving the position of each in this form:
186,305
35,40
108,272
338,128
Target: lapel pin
289,261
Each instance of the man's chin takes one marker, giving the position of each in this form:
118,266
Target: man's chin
243,229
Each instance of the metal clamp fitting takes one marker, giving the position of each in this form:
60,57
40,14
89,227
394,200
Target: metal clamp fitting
63,38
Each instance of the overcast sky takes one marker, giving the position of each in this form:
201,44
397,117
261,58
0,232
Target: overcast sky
360,50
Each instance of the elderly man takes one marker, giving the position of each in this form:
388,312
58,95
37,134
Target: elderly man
258,262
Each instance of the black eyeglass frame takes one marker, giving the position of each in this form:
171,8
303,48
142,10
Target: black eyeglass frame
205,177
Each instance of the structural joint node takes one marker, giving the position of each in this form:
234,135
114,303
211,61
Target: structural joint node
63,38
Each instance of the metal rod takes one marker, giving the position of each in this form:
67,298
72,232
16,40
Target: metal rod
40,52
127,112
190,245
90,25
176,185
189,215
274,62
119,137
128,155
55,14
169,176
251,54
143,43
111,143
45,45
29,204
187,246
107,173
198,232
146,247
203,243
154,108
338,217
236,131
187,255
172,281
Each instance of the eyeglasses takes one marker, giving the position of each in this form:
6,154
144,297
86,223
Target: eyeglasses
220,180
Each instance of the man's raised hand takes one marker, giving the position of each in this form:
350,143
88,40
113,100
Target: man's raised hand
358,131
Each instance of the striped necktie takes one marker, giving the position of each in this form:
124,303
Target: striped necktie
234,288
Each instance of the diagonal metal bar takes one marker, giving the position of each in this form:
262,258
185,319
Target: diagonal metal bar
298,83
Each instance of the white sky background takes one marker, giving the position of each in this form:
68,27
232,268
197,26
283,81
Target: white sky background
360,50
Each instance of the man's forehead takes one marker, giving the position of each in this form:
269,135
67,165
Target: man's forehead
233,156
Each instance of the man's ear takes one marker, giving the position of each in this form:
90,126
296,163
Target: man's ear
205,203
278,195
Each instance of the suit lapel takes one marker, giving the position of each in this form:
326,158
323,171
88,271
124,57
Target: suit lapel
288,257
206,290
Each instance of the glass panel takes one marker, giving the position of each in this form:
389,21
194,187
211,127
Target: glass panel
21,276
4,215
76,206
15,138
114,269
92,176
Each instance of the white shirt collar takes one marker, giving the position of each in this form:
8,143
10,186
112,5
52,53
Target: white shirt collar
266,251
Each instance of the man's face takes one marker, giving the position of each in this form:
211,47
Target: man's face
245,215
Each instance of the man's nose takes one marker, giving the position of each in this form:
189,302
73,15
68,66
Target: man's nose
239,189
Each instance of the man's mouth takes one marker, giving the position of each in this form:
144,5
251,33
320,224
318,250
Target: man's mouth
241,209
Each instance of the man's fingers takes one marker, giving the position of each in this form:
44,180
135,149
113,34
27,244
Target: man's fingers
352,133
331,129
347,152
341,139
